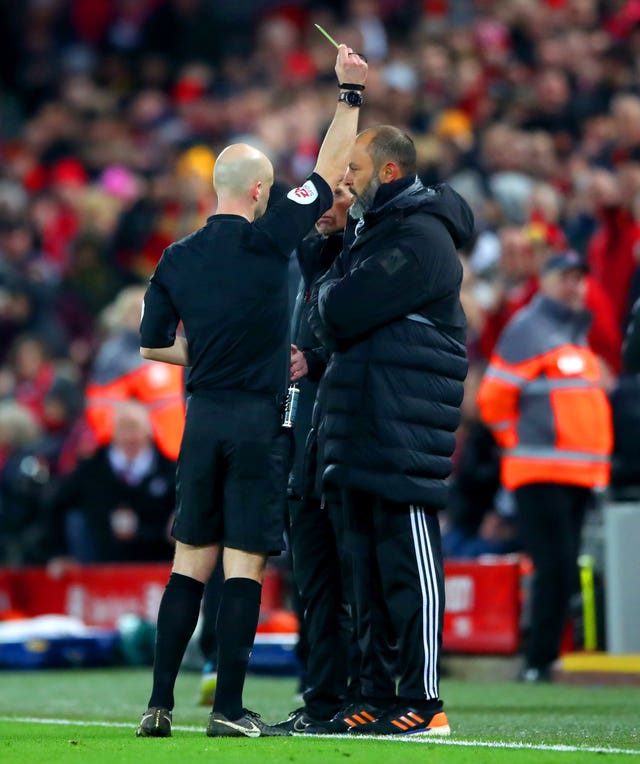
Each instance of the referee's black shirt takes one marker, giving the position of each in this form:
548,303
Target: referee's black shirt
228,283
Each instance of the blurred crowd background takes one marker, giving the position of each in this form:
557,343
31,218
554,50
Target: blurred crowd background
113,112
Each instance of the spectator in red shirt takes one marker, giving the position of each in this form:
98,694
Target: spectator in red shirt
612,246
515,285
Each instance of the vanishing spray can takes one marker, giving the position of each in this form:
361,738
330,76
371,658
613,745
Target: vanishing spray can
291,405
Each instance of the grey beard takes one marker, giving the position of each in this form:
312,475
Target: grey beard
364,202
355,211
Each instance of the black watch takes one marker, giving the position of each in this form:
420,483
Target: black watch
351,97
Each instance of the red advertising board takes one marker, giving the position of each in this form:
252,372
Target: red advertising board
96,594
482,611
481,615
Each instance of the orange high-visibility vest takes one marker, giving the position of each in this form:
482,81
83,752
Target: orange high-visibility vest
120,375
543,399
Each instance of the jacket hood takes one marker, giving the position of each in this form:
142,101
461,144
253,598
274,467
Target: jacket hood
440,200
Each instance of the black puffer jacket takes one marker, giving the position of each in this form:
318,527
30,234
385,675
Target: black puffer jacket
315,255
389,309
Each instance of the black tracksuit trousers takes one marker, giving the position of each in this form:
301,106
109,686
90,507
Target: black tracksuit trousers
398,578
316,537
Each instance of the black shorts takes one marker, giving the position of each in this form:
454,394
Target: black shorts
232,472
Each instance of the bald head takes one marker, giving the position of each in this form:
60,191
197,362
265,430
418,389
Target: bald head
238,167
131,413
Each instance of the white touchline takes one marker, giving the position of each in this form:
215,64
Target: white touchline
389,739
85,723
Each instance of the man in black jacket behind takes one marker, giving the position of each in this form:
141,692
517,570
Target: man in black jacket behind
389,311
316,532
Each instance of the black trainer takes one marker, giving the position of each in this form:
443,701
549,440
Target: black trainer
407,720
250,724
299,720
155,722
359,715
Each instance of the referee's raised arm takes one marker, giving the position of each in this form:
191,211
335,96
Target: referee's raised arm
351,71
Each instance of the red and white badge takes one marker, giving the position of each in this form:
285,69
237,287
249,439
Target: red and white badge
306,194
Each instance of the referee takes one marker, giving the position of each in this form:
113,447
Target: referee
227,283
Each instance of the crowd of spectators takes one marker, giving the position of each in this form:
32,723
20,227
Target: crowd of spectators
113,112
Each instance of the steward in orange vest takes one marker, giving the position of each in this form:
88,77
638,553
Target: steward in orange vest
120,374
542,397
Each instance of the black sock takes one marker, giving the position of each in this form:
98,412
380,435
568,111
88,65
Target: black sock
236,629
177,618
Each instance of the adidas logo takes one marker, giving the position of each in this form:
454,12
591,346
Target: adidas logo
362,717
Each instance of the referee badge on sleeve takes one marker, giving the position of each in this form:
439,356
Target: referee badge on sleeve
306,194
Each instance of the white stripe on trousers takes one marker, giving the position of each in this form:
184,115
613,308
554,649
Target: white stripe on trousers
430,598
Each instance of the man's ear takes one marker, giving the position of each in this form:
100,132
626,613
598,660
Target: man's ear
389,172
256,190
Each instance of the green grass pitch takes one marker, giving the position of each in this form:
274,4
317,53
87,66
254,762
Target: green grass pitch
90,716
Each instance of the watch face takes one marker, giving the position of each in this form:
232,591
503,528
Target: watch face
352,98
